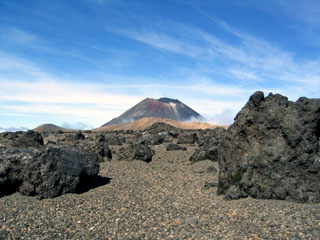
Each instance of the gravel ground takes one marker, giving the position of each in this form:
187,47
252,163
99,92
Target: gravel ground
164,199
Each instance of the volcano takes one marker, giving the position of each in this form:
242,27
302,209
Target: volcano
160,108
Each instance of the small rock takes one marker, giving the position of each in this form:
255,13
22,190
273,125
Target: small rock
136,152
175,147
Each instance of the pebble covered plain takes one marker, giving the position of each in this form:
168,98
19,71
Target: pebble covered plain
168,198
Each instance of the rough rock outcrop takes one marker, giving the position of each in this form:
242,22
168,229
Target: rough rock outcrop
74,136
45,172
114,139
272,150
20,139
188,138
70,138
151,140
208,146
136,152
94,143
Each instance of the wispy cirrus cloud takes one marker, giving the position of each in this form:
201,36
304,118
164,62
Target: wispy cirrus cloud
302,16
13,129
249,57
165,42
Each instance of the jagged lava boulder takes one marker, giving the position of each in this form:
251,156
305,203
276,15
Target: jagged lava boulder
136,152
271,151
45,172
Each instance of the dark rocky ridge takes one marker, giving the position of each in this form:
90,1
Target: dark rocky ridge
271,151
162,108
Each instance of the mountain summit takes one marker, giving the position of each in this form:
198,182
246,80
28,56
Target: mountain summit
161,108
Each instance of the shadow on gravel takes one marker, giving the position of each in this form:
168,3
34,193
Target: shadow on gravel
92,182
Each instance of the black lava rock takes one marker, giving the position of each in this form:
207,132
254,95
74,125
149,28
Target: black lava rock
136,152
272,150
45,172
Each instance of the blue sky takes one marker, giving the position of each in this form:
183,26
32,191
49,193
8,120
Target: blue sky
80,63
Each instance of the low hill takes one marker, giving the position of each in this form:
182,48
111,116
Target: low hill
143,123
50,128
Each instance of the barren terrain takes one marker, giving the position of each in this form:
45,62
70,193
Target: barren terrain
146,122
168,198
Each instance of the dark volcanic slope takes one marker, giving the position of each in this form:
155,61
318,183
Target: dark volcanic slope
161,108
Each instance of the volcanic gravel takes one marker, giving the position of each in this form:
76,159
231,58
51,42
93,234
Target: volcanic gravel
167,198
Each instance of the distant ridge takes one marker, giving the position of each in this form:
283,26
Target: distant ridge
50,128
144,123
159,108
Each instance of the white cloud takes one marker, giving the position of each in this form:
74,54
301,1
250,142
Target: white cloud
224,118
77,125
13,129
59,92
